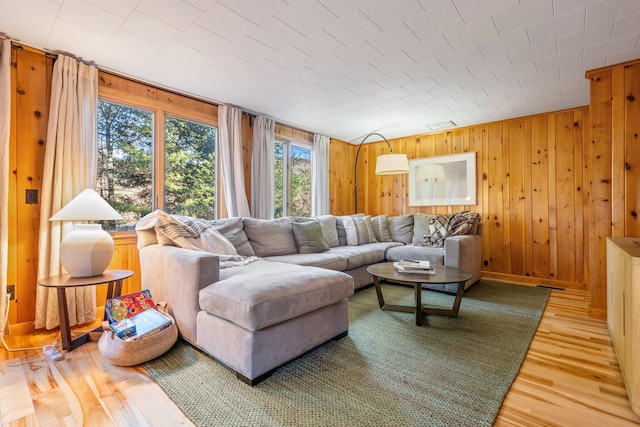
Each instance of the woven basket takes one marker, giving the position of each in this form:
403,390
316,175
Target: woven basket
122,353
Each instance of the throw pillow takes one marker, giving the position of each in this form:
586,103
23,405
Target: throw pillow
342,234
328,224
270,237
364,230
351,234
438,231
380,226
420,228
233,229
401,228
308,237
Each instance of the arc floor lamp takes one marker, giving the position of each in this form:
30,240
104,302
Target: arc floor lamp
386,164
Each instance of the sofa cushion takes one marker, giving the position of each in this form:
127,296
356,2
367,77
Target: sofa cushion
380,225
270,237
421,228
401,228
423,253
357,256
266,293
233,229
308,237
329,260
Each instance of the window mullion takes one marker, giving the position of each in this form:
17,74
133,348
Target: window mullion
159,160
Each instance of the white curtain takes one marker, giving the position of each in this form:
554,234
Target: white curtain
69,168
230,143
320,176
5,128
262,168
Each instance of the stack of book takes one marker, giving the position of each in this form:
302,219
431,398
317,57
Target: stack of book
134,316
414,266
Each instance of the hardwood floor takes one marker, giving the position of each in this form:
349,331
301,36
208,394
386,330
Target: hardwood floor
570,377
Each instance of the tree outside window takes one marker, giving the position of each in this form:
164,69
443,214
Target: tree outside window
292,179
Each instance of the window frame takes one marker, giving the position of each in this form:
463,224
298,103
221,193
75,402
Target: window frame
286,169
160,103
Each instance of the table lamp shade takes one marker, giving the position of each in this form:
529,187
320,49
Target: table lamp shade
88,249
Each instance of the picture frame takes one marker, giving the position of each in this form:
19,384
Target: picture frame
443,180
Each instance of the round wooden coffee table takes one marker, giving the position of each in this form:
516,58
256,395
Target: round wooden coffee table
443,274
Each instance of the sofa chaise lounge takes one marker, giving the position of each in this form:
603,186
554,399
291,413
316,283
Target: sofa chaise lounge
255,294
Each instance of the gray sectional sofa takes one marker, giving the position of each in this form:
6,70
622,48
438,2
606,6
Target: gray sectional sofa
280,288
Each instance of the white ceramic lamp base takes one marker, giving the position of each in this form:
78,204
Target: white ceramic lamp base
86,251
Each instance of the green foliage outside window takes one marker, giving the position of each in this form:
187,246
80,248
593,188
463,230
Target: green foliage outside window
292,180
190,173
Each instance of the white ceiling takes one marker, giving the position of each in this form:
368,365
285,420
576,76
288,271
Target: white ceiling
345,68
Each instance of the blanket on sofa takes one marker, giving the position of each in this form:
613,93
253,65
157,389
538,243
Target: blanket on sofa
195,234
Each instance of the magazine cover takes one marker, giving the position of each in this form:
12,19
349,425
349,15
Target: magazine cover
122,307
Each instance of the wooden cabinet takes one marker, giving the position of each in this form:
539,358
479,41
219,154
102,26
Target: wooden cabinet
623,309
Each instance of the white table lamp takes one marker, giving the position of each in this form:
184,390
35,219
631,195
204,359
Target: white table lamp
88,249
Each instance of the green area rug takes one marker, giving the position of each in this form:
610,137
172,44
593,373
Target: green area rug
386,372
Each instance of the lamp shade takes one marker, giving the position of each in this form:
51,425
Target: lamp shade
86,206
88,249
392,164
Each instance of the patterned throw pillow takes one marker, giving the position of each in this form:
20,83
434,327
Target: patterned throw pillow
380,225
443,226
351,235
364,230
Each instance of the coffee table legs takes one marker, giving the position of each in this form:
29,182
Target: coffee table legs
419,310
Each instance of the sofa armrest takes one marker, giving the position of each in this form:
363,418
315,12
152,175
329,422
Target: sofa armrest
177,275
465,253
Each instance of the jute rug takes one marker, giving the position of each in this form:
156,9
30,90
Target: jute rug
386,372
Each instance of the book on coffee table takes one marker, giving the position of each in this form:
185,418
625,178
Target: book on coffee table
414,266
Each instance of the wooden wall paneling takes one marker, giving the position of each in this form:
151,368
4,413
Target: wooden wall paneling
32,106
498,259
528,191
579,118
565,196
401,197
485,212
618,205
599,187
539,196
341,155
632,149
518,137
12,261
506,195
552,208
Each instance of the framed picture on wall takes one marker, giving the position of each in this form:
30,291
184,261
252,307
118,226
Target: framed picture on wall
443,180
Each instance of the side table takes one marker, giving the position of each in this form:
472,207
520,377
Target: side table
113,277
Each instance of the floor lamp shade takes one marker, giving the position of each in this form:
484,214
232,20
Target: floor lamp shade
88,249
392,164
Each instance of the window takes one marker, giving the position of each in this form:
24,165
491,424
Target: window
149,159
125,157
292,179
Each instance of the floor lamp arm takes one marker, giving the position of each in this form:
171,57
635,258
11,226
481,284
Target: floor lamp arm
355,167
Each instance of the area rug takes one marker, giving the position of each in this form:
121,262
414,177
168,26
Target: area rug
386,372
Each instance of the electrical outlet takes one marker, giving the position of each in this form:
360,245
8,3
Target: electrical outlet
11,290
